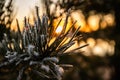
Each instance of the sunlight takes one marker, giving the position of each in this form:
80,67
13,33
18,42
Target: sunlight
97,50
110,19
100,47
91,42
73,46
103,24
80,18
60,26
93,22
59,29
87,50
24,8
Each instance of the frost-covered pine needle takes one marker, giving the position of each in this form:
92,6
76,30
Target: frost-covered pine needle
31,53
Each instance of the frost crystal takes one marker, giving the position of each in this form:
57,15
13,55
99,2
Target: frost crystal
32,54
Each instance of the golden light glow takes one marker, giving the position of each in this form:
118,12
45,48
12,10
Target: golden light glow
73,46
110,19
93,22
87,50
80,18
59,29
25,10
91,42
103,24
51,41
60,26
100,47
14,25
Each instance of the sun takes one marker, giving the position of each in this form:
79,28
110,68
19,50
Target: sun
59,29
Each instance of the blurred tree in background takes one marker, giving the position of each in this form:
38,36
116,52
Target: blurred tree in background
6,16
95,67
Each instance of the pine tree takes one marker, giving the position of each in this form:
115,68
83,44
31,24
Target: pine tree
33,54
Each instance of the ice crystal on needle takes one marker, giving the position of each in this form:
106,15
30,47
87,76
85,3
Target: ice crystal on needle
32,54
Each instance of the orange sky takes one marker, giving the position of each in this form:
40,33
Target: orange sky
23,8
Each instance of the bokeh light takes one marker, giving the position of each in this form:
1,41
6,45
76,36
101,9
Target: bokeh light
101,47
80,18
110,19
94,21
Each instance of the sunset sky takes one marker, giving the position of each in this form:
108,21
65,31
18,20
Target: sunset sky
24,6
23,9
99,46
